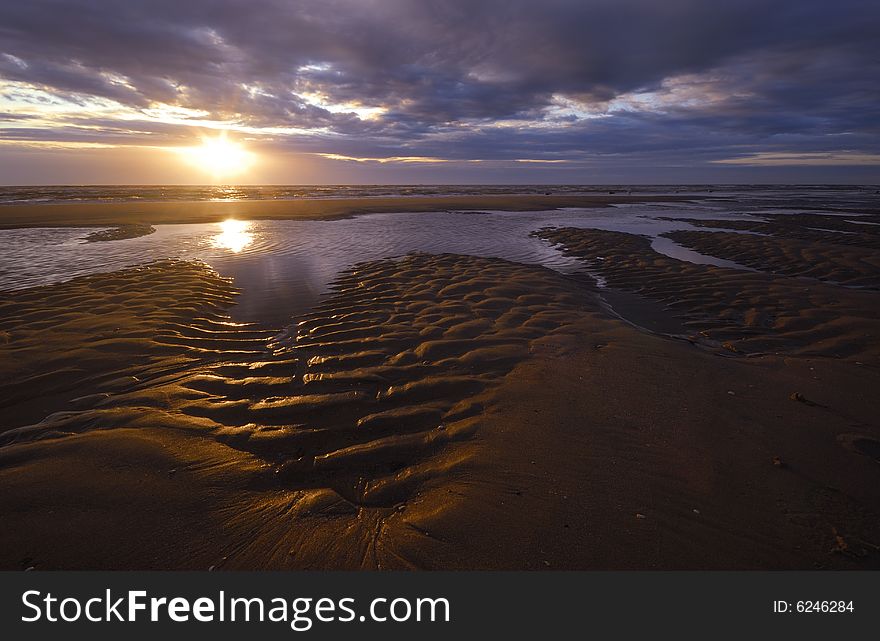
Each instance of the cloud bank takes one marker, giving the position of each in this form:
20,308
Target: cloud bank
567,88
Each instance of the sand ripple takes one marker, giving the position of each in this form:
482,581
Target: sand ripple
364,396
744,312
828,260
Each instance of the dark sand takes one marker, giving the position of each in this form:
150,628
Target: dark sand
745,312
448,412
836,263
121,232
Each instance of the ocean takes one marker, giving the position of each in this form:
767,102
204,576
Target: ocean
839,194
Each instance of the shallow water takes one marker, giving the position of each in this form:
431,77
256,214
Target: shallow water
283,267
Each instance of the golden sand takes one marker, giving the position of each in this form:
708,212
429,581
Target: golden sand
447,412
155,213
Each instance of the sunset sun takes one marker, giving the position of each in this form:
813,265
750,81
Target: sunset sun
218,156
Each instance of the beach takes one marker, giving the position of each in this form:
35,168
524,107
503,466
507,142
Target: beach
201,211
598,404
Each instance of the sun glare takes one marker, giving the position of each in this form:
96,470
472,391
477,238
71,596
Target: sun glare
218,156
233,235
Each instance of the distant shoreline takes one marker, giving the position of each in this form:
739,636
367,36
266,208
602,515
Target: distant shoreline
189,212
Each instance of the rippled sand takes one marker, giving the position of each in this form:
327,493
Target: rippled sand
746,312
449,411
339,421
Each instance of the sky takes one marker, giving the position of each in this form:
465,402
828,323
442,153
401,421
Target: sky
439,91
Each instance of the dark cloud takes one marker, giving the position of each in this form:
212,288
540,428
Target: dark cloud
457,79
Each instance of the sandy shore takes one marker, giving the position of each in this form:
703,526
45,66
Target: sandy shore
744,312
445,411
120,232
158,213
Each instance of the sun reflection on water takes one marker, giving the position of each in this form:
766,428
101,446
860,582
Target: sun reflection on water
234,235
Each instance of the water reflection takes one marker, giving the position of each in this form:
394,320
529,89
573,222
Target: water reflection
283,267
234,235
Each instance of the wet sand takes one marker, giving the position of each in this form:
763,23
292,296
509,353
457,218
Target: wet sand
156,213
743,312
120,232
829,262
449,412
